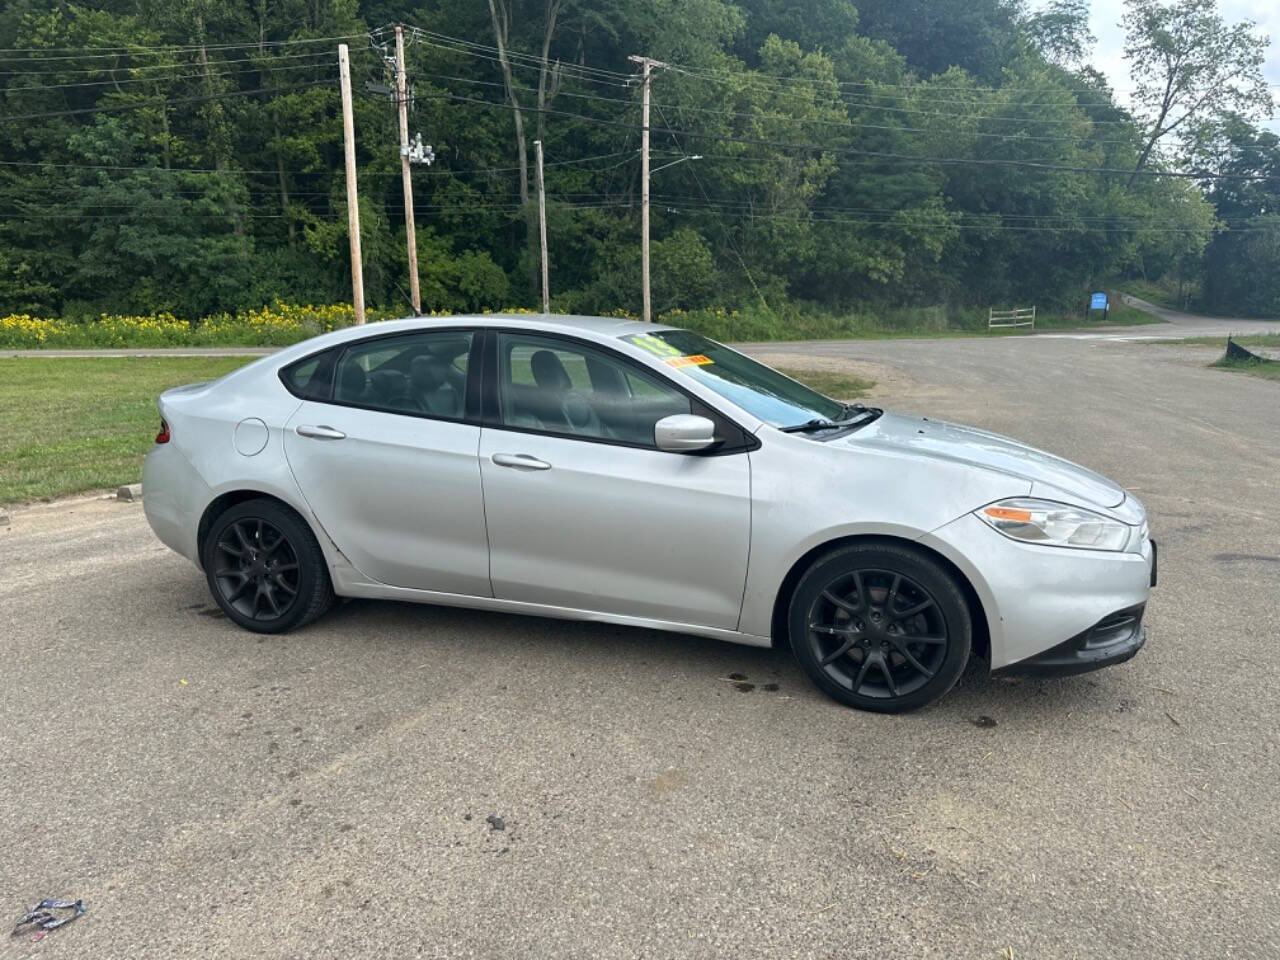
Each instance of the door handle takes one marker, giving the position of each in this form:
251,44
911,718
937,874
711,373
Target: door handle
320,433
521,461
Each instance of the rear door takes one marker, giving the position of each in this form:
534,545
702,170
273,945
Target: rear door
585,512
388,461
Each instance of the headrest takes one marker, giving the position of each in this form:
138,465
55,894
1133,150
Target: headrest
548,372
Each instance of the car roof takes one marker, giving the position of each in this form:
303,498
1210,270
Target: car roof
600,327
608,326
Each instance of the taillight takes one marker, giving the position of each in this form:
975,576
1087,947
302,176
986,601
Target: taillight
163,435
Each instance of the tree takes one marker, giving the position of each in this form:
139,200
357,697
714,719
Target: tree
1187,63
934,35
1060,31
855,154
1240,274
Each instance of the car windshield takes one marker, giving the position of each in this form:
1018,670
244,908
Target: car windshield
761,391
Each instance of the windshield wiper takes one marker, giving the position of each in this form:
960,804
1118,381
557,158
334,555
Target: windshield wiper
864,415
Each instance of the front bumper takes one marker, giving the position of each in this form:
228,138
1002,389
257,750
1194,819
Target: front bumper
1049,602
1113,639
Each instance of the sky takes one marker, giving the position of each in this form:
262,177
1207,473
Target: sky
1108,53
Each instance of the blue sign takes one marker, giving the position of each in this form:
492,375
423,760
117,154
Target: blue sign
1098,301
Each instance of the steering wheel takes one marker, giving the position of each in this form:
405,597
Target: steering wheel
578,413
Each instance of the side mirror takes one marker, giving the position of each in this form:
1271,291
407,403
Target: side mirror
684,433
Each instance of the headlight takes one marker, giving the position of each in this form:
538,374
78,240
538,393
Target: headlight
1055,524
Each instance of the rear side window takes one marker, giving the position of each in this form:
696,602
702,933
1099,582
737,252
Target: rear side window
310,378
423,374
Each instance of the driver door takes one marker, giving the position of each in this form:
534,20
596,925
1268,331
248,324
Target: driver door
585,512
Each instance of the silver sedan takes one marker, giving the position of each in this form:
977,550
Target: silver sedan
607,470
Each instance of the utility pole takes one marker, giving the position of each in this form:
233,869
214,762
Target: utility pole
353,203
402,100
648,63
542,229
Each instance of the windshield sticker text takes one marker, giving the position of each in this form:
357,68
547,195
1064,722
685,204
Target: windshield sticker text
696,359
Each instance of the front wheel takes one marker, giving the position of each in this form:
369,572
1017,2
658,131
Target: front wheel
880,627
265,569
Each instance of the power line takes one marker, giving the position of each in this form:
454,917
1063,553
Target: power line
139,49
515,56
514,207
198,75
749,205
1050,166
117,108
318,56
757,76
843,123
742,262
917,91
747,74
274,172
745,206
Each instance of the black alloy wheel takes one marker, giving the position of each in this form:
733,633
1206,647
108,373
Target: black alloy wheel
265,569
880,627
877,632
258,575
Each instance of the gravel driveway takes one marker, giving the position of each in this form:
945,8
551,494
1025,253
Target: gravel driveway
329,793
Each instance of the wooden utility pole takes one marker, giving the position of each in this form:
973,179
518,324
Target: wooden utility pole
353,203
542,230
648,63
405,177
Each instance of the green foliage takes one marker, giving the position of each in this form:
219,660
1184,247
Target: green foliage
686,271
187,158
1240,275
466,281
1241,269
1059,30
1188,63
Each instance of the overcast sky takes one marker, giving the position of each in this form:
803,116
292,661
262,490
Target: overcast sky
1108,54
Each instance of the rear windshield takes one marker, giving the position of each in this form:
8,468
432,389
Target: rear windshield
761,391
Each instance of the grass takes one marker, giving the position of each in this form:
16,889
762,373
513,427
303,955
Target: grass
1159,294
1121,315
72,425
1249,340
755,324
837,386
1267,369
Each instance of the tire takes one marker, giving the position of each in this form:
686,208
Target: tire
265,569
880,627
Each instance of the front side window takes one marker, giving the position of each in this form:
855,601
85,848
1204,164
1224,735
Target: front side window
761,391
419,373
560,387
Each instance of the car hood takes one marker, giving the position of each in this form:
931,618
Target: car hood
939,440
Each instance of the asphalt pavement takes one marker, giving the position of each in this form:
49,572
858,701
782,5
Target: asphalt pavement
329,793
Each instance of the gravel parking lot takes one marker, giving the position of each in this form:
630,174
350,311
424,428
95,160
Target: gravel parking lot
330,793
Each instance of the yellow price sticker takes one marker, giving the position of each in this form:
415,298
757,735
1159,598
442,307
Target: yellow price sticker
697,359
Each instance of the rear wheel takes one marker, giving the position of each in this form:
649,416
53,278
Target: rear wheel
265,569
880,627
